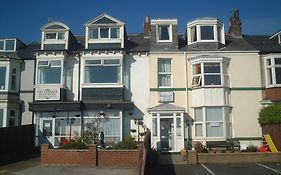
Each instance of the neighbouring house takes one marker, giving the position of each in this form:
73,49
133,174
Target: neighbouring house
205,85
16,82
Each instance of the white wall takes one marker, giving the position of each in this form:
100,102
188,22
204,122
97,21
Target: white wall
136,80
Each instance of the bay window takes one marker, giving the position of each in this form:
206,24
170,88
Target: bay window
212,122
49,72
209,74
273,71
3,71
104,33
164,72
103,71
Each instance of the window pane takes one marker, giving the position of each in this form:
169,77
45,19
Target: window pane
193,34
49,75
178,127
94,33
102,74
212,68
196,69
10,44
14,78
277,61
111,61
1,117
115,33
12,118
164,65
164,80
212,80
196,80
278,75
268,62
198,130
111,130
269,76
198,114
104,32
60,35
207,33
93,62
43,63
154,126
1,47
55,63
2,78
214,129
163,32
213,114
51,35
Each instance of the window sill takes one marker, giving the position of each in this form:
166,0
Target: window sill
54,41
164,41
49,85
115,40
101,85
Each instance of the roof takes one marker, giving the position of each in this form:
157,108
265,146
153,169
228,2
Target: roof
104,18
137,43
25,53
55,25
263,43
166,107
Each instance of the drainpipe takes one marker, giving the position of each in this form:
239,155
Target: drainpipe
186,74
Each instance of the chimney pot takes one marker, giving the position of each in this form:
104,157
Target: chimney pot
147,29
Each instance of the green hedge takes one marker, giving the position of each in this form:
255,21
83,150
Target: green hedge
270,115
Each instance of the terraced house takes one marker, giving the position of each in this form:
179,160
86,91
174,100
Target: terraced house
205,85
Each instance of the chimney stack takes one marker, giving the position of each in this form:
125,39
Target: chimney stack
147,27
235,28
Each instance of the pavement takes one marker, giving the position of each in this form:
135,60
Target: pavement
217,169
33,167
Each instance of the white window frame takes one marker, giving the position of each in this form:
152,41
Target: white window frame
4,48
57,35
204,123
109,33
102,60
207,40
6,86
273,71
223,75
164,73
170,32
49,61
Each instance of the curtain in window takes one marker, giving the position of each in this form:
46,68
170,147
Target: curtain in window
165,66
111,130
87,75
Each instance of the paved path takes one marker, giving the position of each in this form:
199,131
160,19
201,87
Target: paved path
33,167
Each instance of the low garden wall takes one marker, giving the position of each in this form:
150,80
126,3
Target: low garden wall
91,156
252,157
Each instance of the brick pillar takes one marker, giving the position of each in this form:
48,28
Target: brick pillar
44,153
192,157
93,155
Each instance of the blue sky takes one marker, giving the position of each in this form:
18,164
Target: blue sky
23,18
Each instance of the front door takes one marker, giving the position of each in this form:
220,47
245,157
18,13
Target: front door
47,131
166,134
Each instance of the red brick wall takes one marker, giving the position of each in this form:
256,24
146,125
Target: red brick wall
71,157
273,94
124,158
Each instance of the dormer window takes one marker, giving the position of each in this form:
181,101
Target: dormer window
164,32
104,33
7,45
55,36
205,30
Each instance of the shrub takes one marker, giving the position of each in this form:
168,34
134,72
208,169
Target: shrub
74,144
200,148
270,115
127,143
